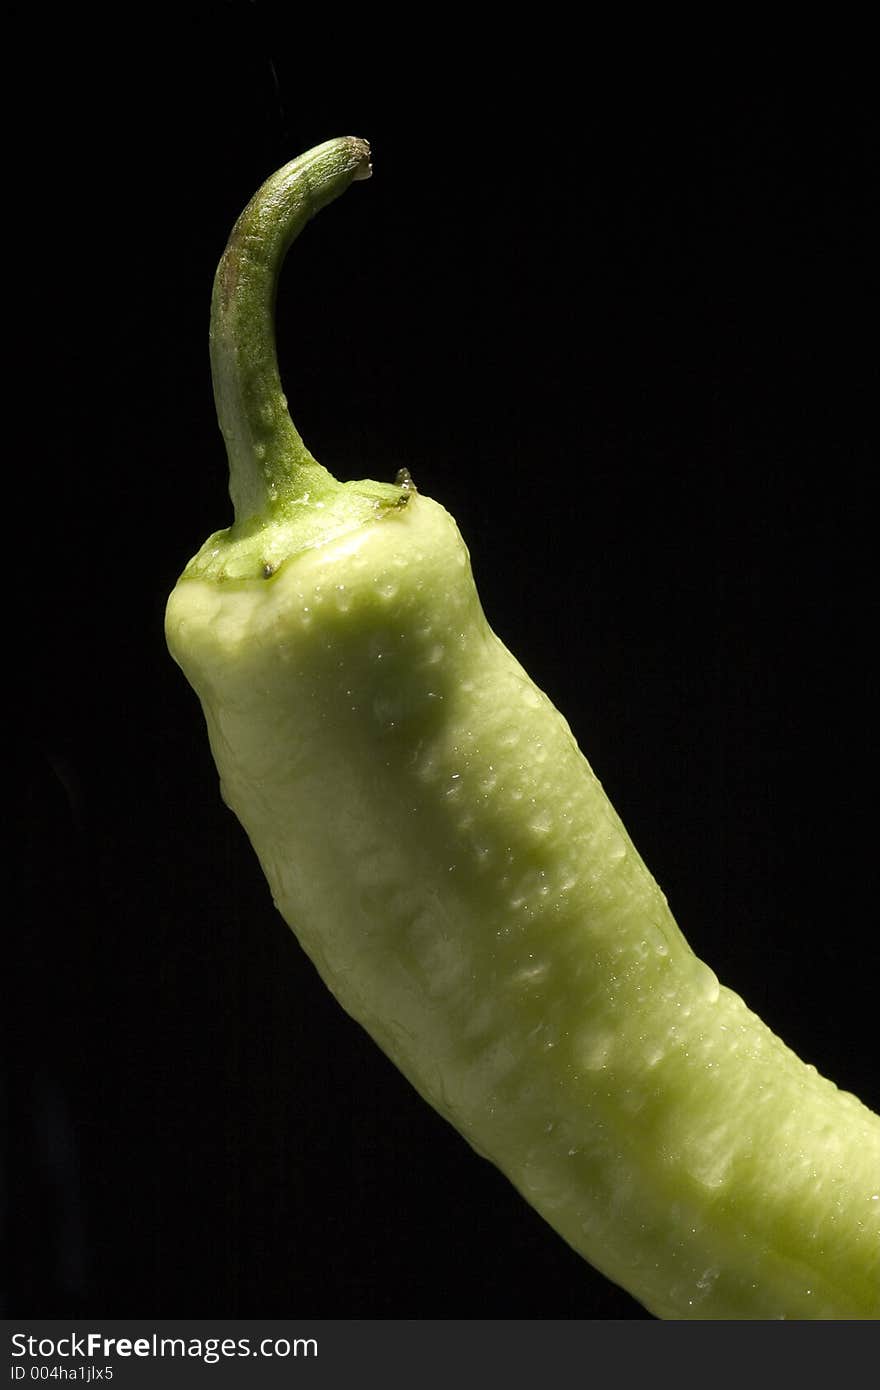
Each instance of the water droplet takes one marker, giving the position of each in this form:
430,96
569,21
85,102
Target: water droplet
707,983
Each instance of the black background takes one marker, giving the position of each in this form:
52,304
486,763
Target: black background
618,318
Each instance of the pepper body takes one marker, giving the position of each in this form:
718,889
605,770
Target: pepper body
432,833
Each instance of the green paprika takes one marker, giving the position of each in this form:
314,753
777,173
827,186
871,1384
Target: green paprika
447,858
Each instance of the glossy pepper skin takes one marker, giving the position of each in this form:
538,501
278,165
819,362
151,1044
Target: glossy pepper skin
444,853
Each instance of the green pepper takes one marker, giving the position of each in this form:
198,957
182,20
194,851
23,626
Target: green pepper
443,851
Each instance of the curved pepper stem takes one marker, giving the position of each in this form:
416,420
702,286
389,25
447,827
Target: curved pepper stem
269,465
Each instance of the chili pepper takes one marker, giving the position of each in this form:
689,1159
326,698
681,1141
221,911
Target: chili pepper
443,851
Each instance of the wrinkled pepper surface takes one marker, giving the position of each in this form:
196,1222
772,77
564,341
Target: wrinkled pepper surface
432,833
